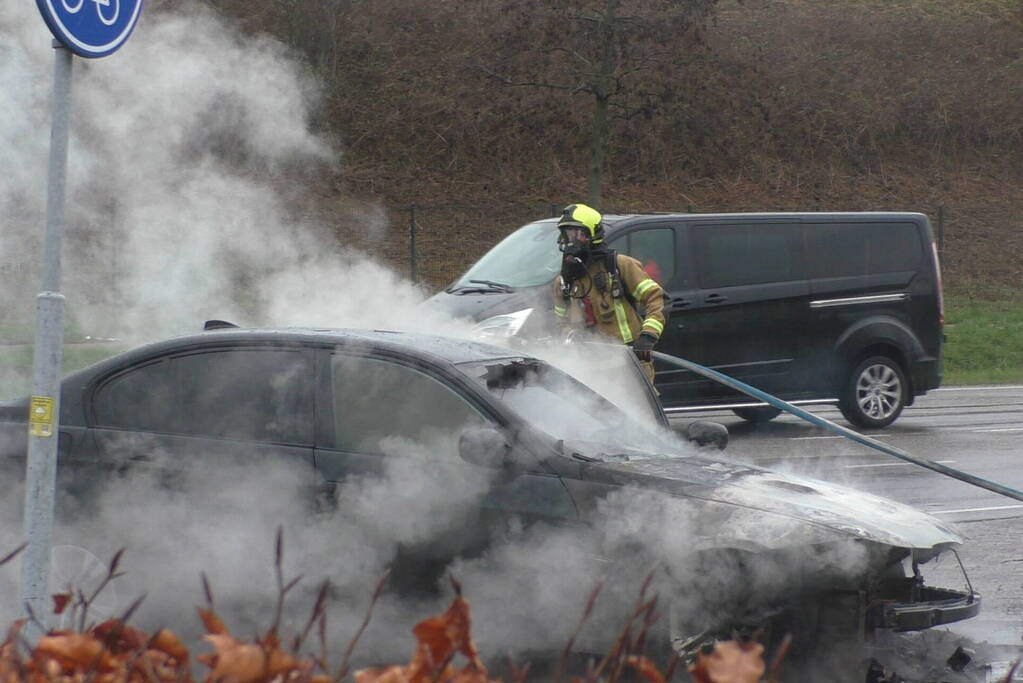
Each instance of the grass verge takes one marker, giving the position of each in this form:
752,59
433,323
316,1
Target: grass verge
16,364
985,341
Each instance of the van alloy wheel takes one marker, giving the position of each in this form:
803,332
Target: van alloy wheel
875,393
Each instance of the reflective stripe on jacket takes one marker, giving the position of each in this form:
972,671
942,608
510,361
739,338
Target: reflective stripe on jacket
614,316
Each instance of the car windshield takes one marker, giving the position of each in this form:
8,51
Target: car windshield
526,258
566,409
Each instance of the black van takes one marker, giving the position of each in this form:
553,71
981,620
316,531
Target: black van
811,307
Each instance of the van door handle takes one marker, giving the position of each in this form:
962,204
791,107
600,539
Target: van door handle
678,302
715,299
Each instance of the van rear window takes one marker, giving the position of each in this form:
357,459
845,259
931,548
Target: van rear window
848,249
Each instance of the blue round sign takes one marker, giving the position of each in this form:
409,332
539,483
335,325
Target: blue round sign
91,28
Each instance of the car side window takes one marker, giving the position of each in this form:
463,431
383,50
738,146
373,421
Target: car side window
382,406
850,249
243,394
655,249
733,255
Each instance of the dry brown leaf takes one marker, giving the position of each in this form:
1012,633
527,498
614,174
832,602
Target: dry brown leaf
118,637
167,642
438,639
442,636
235,661
730,662
392,674
60,602
280,662
212,622
72,651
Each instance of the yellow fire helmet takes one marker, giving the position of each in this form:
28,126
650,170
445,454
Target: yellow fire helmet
582,216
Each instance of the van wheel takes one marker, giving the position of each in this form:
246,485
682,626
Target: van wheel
875,393
758,414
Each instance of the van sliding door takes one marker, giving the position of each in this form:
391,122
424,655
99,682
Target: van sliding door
750,311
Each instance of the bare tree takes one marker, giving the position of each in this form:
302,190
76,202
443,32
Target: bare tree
616,57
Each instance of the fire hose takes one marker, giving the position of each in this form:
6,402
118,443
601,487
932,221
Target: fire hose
836,428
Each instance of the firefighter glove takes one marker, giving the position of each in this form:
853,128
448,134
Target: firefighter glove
644,345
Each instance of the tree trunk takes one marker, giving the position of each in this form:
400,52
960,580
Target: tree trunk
601,103
598,152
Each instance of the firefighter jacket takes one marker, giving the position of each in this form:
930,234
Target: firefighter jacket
591,303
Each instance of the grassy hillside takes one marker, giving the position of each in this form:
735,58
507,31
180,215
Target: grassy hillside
794,104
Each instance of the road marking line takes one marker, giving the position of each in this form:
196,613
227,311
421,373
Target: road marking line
875,436
891,464
996,507
899,434
1000,387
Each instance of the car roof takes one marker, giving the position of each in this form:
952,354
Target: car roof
434,347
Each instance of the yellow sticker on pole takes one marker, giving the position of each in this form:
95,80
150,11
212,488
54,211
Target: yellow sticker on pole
40,416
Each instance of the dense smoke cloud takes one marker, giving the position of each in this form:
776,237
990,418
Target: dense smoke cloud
181,146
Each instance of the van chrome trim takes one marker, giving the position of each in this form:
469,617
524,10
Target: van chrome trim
745,404
876,299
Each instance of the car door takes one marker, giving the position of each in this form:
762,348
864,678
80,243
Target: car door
240,408
750,311
662,249
391,426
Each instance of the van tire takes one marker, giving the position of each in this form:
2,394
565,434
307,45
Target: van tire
757,414
875,393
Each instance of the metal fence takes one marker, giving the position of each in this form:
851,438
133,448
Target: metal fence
981,247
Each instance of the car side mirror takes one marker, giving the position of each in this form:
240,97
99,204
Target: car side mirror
485,447
707,434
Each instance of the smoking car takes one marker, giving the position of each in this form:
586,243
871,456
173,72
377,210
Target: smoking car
334,403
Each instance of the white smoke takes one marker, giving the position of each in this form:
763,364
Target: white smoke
185,151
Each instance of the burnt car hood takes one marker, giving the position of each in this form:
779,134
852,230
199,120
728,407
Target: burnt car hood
823,505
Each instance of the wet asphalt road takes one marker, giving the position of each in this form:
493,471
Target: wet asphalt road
976,429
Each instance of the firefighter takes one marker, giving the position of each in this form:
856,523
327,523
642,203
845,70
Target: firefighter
605,292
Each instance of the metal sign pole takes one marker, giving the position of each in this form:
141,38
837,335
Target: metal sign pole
44,408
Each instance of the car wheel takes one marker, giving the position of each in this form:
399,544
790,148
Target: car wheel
758,414
75,569
875,393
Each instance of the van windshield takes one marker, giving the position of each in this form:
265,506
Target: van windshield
526,258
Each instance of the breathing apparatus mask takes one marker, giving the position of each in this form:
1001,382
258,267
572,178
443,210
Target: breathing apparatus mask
574,243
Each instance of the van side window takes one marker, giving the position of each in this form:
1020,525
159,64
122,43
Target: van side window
654,248
847,249
733,255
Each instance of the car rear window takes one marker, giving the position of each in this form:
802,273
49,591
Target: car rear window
245,394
